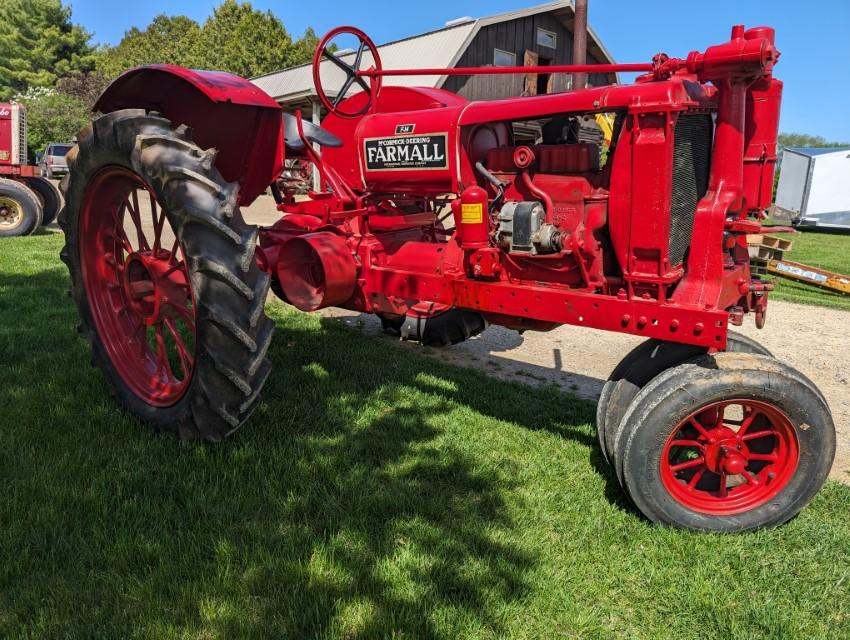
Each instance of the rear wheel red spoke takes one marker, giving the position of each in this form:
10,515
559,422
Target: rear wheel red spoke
747,423
723,491
187,362
140,296
162,352
136,216
696,478
158,224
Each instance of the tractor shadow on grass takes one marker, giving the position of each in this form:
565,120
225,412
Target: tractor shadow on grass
355,503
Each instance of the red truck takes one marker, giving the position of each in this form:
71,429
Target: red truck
27,200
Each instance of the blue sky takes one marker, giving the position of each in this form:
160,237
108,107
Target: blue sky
812,36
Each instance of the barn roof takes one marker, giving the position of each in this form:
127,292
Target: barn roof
436,49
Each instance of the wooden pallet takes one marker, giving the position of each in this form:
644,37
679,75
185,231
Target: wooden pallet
763,249
758,267
779,244
763,252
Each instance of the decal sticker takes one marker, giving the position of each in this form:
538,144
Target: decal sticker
472,213
409,152
404,128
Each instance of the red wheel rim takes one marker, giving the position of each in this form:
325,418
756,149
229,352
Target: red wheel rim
138,286
730,457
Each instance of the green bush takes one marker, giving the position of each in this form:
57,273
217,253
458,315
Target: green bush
52,117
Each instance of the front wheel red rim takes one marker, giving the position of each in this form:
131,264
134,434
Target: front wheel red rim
138,286
730,457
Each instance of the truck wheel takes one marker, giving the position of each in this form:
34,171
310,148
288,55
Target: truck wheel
20,213
48,195
164,277
729,442
641,365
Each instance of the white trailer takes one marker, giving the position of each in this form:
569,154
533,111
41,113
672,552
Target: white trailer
814,188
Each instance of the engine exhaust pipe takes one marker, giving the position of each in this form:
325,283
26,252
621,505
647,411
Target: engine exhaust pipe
580,42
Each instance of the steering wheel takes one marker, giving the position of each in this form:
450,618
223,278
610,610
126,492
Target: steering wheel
370,88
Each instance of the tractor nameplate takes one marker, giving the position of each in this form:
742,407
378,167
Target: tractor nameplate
408,152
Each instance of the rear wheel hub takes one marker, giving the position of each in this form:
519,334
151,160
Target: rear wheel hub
154,289
11,213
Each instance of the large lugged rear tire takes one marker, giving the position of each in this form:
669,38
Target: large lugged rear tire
20,211
729,442
206,381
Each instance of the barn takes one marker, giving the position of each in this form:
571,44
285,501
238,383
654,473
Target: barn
540,35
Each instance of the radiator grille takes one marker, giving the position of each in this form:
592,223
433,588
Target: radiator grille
691,162
19,134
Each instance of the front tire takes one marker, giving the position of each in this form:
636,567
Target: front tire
730,442
642,364
176,324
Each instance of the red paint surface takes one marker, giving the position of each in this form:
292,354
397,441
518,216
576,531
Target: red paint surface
226,112
612,270
712,465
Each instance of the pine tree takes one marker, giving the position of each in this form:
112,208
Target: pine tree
39,44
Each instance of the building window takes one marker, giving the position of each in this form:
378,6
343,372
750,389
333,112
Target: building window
504,58
546,38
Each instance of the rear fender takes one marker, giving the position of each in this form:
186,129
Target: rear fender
226,112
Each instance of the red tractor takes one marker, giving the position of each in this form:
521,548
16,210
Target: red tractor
27,200
434,216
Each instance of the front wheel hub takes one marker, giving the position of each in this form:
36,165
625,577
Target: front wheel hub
729,457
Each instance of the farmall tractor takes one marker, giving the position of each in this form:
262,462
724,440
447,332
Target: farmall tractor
432,215
27,200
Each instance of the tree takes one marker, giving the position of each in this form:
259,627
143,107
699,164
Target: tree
39,44
167,39
85,86
236,38
806,140
242,40
52,116
303,48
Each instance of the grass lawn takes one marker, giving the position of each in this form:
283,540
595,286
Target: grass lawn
374,494
827,250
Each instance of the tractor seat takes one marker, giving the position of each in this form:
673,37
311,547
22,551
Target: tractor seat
312,132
